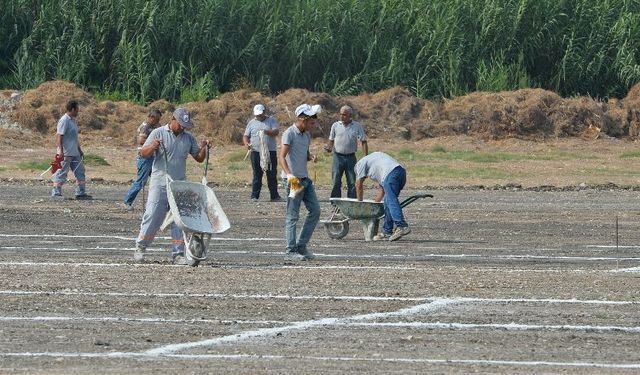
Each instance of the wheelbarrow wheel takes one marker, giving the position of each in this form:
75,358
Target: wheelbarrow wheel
337,230
195,247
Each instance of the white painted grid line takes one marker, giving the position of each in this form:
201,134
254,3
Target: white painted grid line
54,293
432,361
298,326
412,325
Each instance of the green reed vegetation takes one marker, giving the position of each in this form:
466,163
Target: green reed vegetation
143,50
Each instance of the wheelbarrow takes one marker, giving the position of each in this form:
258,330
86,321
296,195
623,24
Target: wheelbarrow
195,209
367,211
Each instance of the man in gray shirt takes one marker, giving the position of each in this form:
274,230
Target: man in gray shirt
391,178
293,158
258,143
70,152
177,143
343,140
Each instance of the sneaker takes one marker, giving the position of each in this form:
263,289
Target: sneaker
399,232
382,237
307,254
138,254
84,196
57,197
128,207
179,260
277,199
254,200
293,256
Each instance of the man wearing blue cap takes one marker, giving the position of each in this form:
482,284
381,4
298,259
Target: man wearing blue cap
177,143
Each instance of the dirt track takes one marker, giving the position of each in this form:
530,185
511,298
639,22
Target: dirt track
488,281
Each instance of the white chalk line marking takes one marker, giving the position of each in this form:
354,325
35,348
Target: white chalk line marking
128,320
631,270
506,327
276,266
127,238
299,326
432,361
312,297
412,325
360,256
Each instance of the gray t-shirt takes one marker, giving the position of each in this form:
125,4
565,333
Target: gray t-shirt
68,129
253,128
375,166
298,143
178,148
345,138
144,130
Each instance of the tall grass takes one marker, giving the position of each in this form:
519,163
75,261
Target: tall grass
150,49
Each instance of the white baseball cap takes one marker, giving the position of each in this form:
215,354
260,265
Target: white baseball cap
258,109
306,110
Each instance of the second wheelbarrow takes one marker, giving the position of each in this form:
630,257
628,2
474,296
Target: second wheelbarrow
367,211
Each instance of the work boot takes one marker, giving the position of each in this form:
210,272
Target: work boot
293,256
180,260
138,254
56,193
399,232
382,237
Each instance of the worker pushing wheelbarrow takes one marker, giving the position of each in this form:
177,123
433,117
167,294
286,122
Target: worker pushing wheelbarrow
195,209
190,209
368,211
391,178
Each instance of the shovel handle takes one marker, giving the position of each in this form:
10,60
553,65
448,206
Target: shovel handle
206,163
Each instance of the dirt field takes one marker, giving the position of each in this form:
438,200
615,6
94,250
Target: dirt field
488,282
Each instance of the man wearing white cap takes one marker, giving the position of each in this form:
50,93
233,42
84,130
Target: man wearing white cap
173,143
259,138
343,140
293,159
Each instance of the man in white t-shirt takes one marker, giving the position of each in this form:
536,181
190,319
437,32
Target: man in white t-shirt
260,138
391,177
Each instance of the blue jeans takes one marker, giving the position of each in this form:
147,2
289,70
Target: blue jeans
343,163
393,185
308,196
272,180
144,171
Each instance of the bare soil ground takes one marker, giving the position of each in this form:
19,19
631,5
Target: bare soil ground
488,282
527,265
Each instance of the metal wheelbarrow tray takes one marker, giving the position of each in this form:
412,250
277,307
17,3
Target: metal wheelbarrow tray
195,209
367,211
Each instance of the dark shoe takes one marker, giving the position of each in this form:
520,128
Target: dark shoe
308,255
277,199
399,232
84,197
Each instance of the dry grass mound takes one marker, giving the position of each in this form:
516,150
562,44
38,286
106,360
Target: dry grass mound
531,114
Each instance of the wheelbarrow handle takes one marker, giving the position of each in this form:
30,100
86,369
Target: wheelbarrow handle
414,198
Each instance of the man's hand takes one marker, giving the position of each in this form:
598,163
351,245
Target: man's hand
205,143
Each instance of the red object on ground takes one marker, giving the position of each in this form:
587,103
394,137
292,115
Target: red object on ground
56,163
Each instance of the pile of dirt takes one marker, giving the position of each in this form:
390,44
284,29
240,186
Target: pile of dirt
531,114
